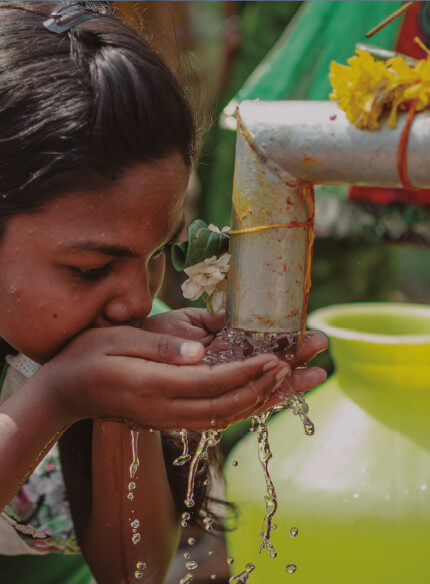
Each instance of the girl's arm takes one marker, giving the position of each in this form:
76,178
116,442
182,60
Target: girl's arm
96,459
150,380
30,422
109,531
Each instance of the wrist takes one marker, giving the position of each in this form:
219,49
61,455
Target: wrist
52,397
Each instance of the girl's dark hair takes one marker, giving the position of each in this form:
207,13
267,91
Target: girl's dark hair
76,110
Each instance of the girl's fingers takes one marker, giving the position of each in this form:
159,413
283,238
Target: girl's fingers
128,341
193,382
201,318
314,342
302,380
219,412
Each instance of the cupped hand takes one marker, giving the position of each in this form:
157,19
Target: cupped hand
156,381
197,324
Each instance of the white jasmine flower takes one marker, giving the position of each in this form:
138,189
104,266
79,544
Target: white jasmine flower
219,297
205,276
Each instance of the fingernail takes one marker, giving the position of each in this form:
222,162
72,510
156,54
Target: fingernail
190,350
270,365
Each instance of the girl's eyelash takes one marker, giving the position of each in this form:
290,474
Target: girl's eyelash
90,274
162,250
94,274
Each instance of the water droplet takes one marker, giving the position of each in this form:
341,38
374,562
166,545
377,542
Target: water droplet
187,555
275,526
130,496
181,460
138,575
191,541
186,516
191,565
273,553
136,538
356,495
141,565
206,482
184,523
131,486
213,576
210,553
424,487
230,560
186,579
135,523
294,531
189,503
291,568
235,463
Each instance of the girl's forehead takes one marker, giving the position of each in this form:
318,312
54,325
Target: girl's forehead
144,204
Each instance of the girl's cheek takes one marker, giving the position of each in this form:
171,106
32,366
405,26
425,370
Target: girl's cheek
156,270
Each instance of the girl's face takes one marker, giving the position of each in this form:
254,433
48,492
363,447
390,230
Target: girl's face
89,258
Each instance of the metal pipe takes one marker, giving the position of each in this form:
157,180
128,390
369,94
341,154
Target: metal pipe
280,147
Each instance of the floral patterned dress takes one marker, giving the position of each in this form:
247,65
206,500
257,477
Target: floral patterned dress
38,520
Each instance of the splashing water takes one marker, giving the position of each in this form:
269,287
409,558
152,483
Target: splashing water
237,345
243,577
135,524
134,454
234,345
185,456
271,503
192,565
208,438
294,532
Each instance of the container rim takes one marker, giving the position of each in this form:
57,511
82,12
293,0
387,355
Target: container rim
319,320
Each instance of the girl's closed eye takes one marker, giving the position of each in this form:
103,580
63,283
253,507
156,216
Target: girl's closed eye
90,274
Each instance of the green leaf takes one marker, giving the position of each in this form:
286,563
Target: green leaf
202,243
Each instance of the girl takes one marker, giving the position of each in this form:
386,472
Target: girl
96,144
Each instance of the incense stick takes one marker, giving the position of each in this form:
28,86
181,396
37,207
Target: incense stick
389,19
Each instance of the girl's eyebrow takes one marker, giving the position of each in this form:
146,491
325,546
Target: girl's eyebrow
116,250
110,250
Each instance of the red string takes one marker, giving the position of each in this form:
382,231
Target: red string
402,162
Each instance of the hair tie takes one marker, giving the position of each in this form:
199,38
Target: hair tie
63,19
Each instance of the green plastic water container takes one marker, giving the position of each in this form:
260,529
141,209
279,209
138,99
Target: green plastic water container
358,491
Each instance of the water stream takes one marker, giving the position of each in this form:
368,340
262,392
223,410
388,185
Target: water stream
233,345
134,522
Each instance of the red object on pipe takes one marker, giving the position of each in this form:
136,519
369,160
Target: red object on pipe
406,45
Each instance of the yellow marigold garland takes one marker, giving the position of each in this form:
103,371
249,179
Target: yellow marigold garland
365,88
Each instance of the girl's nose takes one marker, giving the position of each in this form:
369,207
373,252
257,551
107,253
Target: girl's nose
131,304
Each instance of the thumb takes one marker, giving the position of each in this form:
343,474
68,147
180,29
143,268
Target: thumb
128,341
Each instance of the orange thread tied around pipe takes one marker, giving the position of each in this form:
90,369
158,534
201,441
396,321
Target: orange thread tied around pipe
272,226
402,165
